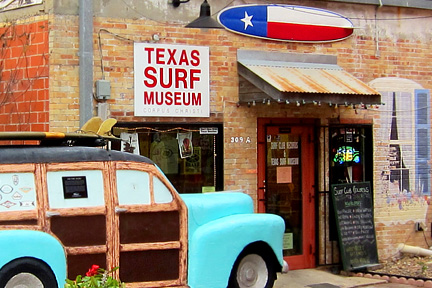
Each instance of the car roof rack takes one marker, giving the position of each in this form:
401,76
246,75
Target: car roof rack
94,133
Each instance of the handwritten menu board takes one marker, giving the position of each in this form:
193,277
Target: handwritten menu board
355,224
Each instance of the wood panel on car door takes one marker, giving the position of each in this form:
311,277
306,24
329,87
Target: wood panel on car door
77,215
150,227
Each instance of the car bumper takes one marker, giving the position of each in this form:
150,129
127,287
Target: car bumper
285,267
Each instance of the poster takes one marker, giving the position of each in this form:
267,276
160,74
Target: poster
192,164
130,142
185,144
164,152
284,174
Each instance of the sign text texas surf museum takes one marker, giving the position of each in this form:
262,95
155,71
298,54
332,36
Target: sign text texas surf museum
171,80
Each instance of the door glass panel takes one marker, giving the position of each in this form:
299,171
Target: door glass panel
133,187
161,192
283,186
17,192
69,189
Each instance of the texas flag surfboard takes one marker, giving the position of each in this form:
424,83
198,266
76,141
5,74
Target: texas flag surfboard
286,23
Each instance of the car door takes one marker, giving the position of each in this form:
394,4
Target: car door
76,213
150,227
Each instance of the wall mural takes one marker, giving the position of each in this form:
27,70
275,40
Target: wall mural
6,5
406,178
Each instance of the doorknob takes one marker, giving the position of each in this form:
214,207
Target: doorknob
311,197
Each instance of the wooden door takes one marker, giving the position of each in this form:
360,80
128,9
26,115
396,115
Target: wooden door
286,187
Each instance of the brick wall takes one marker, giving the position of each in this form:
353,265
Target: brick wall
64,74
24,85
399,56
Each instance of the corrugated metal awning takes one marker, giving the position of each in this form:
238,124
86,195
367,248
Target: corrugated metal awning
299,77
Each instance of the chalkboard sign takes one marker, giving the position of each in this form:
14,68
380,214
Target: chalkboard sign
355,223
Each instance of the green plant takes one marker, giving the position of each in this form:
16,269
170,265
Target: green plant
95,277
424,267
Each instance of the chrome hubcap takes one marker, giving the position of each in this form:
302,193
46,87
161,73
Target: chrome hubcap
252,272
24,280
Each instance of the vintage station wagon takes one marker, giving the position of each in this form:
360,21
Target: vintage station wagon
65,206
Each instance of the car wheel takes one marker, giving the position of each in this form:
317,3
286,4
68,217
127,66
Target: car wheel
27,273
252,271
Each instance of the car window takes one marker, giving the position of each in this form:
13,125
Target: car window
68,189
133,187
17,192
161,192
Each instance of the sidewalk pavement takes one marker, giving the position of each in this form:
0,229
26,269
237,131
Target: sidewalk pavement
319,278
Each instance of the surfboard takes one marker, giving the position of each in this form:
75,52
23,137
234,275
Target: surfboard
94,132
58,138
286,23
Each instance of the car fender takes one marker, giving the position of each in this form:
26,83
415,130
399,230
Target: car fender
215,246
17,244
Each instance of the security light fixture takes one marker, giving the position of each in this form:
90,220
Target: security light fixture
176,3
204,20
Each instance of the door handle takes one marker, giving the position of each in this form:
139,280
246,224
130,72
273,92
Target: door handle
120,210
50,214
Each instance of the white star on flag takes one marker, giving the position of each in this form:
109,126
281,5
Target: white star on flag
247,20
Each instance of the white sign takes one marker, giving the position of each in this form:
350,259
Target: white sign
6,5
171,80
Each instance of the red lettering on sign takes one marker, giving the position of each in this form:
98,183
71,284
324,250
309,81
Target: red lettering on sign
194,78
171,60
162,75
160,55
196,99
181,78
173,57
184,59
148,98
167,98
149,50
195,58
177,98
148,71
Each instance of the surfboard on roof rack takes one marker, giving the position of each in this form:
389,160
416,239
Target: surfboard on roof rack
94,133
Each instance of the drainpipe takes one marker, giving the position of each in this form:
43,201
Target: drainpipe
85,60
377,48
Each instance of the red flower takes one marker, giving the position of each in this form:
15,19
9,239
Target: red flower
93,270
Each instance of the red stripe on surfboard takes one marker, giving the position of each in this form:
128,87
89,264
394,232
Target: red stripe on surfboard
302,32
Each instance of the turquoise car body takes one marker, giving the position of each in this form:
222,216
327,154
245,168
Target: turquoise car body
221,225
214,221
18,244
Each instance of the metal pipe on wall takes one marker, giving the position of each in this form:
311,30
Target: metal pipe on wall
85,60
